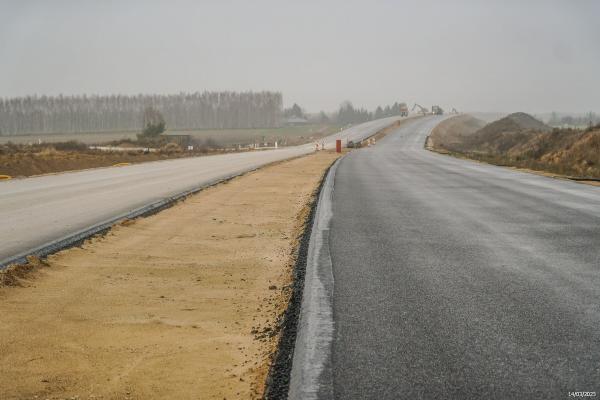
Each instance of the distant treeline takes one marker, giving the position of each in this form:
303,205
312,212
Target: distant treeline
207,110
587,119
347,114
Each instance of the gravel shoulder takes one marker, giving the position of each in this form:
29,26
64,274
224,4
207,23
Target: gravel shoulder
184,304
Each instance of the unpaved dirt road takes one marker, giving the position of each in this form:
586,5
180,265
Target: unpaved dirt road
179,305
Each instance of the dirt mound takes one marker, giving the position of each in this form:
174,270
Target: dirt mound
14,274
522,141
524,122
454,130
514,123
502,135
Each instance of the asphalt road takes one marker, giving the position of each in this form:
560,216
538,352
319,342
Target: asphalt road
38,210
454,279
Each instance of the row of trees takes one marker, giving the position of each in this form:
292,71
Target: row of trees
207,110
347,114
587,119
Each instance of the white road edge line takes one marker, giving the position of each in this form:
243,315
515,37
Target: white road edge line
311,376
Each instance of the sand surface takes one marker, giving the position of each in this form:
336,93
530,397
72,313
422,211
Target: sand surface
180,305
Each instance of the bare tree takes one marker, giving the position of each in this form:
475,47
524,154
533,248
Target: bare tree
153,122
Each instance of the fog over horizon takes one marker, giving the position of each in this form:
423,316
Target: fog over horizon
496,56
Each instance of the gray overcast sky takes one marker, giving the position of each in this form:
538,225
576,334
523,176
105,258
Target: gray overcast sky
473,55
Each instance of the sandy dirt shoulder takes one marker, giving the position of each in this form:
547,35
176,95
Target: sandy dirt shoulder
181,305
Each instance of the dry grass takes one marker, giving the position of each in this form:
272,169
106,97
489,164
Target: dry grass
26,160
567,152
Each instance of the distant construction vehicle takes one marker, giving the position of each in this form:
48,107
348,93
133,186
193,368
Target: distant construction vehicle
454,111
437,110
403,110
423,110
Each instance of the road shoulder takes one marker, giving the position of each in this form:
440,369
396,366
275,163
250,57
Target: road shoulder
182,304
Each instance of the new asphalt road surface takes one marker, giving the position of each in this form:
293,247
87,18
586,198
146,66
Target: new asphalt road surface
39,210
454,279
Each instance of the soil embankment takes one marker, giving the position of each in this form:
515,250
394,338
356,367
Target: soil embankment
184,304
453,131
28,160
521,141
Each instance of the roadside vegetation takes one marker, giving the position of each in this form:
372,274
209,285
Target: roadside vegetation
521,141
17,160
154,123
